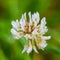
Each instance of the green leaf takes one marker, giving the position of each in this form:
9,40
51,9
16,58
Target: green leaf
53,49
54,42
2,56
55,35
23,41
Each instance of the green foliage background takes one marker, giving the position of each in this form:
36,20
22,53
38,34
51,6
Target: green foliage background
10,49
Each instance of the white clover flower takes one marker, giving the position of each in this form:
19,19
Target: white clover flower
32,31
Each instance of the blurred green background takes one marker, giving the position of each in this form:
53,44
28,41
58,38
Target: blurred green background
10,49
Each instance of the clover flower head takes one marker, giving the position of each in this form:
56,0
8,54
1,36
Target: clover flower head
33,30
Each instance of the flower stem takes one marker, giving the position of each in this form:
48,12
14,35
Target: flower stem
32,55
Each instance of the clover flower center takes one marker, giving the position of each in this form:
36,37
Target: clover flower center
28,29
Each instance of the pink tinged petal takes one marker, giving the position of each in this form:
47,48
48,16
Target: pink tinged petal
37,43
42,45
30,20
23,20
15,34
29,49
34,48
35,18
21,34
16,24
28,36
25,49
35,32
43,28
46,37
25,16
